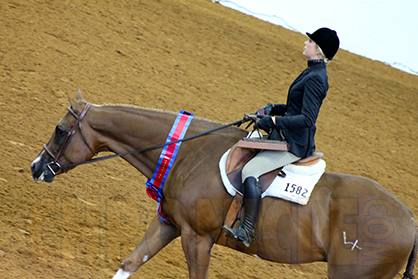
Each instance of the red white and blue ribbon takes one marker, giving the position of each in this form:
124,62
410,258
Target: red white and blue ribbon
154,186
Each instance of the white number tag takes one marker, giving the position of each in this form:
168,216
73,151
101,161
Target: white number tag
294,191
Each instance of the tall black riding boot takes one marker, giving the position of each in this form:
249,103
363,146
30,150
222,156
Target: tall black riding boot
252,199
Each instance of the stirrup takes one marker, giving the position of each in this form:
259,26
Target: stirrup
230,232
245,237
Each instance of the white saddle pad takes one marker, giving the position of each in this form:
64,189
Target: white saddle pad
296,187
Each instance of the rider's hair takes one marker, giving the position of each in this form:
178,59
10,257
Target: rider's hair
322,55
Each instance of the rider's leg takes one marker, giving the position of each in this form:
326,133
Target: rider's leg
263,162
266,161
252,198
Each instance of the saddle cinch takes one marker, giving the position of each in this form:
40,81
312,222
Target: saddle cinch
239,155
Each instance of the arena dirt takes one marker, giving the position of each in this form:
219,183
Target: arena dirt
168,54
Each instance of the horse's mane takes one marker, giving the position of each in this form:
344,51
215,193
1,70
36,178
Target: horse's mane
137,107
154,110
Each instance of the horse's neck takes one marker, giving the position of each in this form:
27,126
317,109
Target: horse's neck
121,129
124,129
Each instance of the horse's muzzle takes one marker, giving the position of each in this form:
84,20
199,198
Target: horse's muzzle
41,172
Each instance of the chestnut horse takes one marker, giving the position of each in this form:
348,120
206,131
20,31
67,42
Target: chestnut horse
352,223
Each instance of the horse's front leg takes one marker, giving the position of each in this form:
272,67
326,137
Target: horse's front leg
156,237
197,249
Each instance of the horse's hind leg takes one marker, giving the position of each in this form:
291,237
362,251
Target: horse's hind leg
156,237
375,261
350,272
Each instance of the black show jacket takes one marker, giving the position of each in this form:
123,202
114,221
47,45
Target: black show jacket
299,115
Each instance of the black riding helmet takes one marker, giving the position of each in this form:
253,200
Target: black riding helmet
327,40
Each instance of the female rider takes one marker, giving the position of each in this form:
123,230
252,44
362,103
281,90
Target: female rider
295,124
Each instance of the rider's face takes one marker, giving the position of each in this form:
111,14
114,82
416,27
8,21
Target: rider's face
310,50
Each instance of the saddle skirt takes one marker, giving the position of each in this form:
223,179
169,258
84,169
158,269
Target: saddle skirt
294,182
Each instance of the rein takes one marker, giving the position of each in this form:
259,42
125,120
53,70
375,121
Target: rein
78,123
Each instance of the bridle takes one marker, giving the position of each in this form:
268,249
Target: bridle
55,166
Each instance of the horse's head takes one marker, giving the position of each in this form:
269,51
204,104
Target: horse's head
68,144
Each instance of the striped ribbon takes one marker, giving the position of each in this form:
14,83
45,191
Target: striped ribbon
154,186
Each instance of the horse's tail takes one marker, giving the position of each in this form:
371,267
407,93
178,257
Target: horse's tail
409,272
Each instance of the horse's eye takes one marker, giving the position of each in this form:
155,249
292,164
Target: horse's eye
60,131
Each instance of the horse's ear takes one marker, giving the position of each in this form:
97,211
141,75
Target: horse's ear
79,97
77,104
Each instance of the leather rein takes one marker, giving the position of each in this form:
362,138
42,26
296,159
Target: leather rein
56,168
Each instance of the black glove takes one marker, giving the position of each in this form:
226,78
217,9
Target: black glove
266,110
265,123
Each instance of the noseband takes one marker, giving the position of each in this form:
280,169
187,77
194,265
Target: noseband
54,166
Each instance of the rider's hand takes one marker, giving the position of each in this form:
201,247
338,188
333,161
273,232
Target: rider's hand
266,110
265,123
